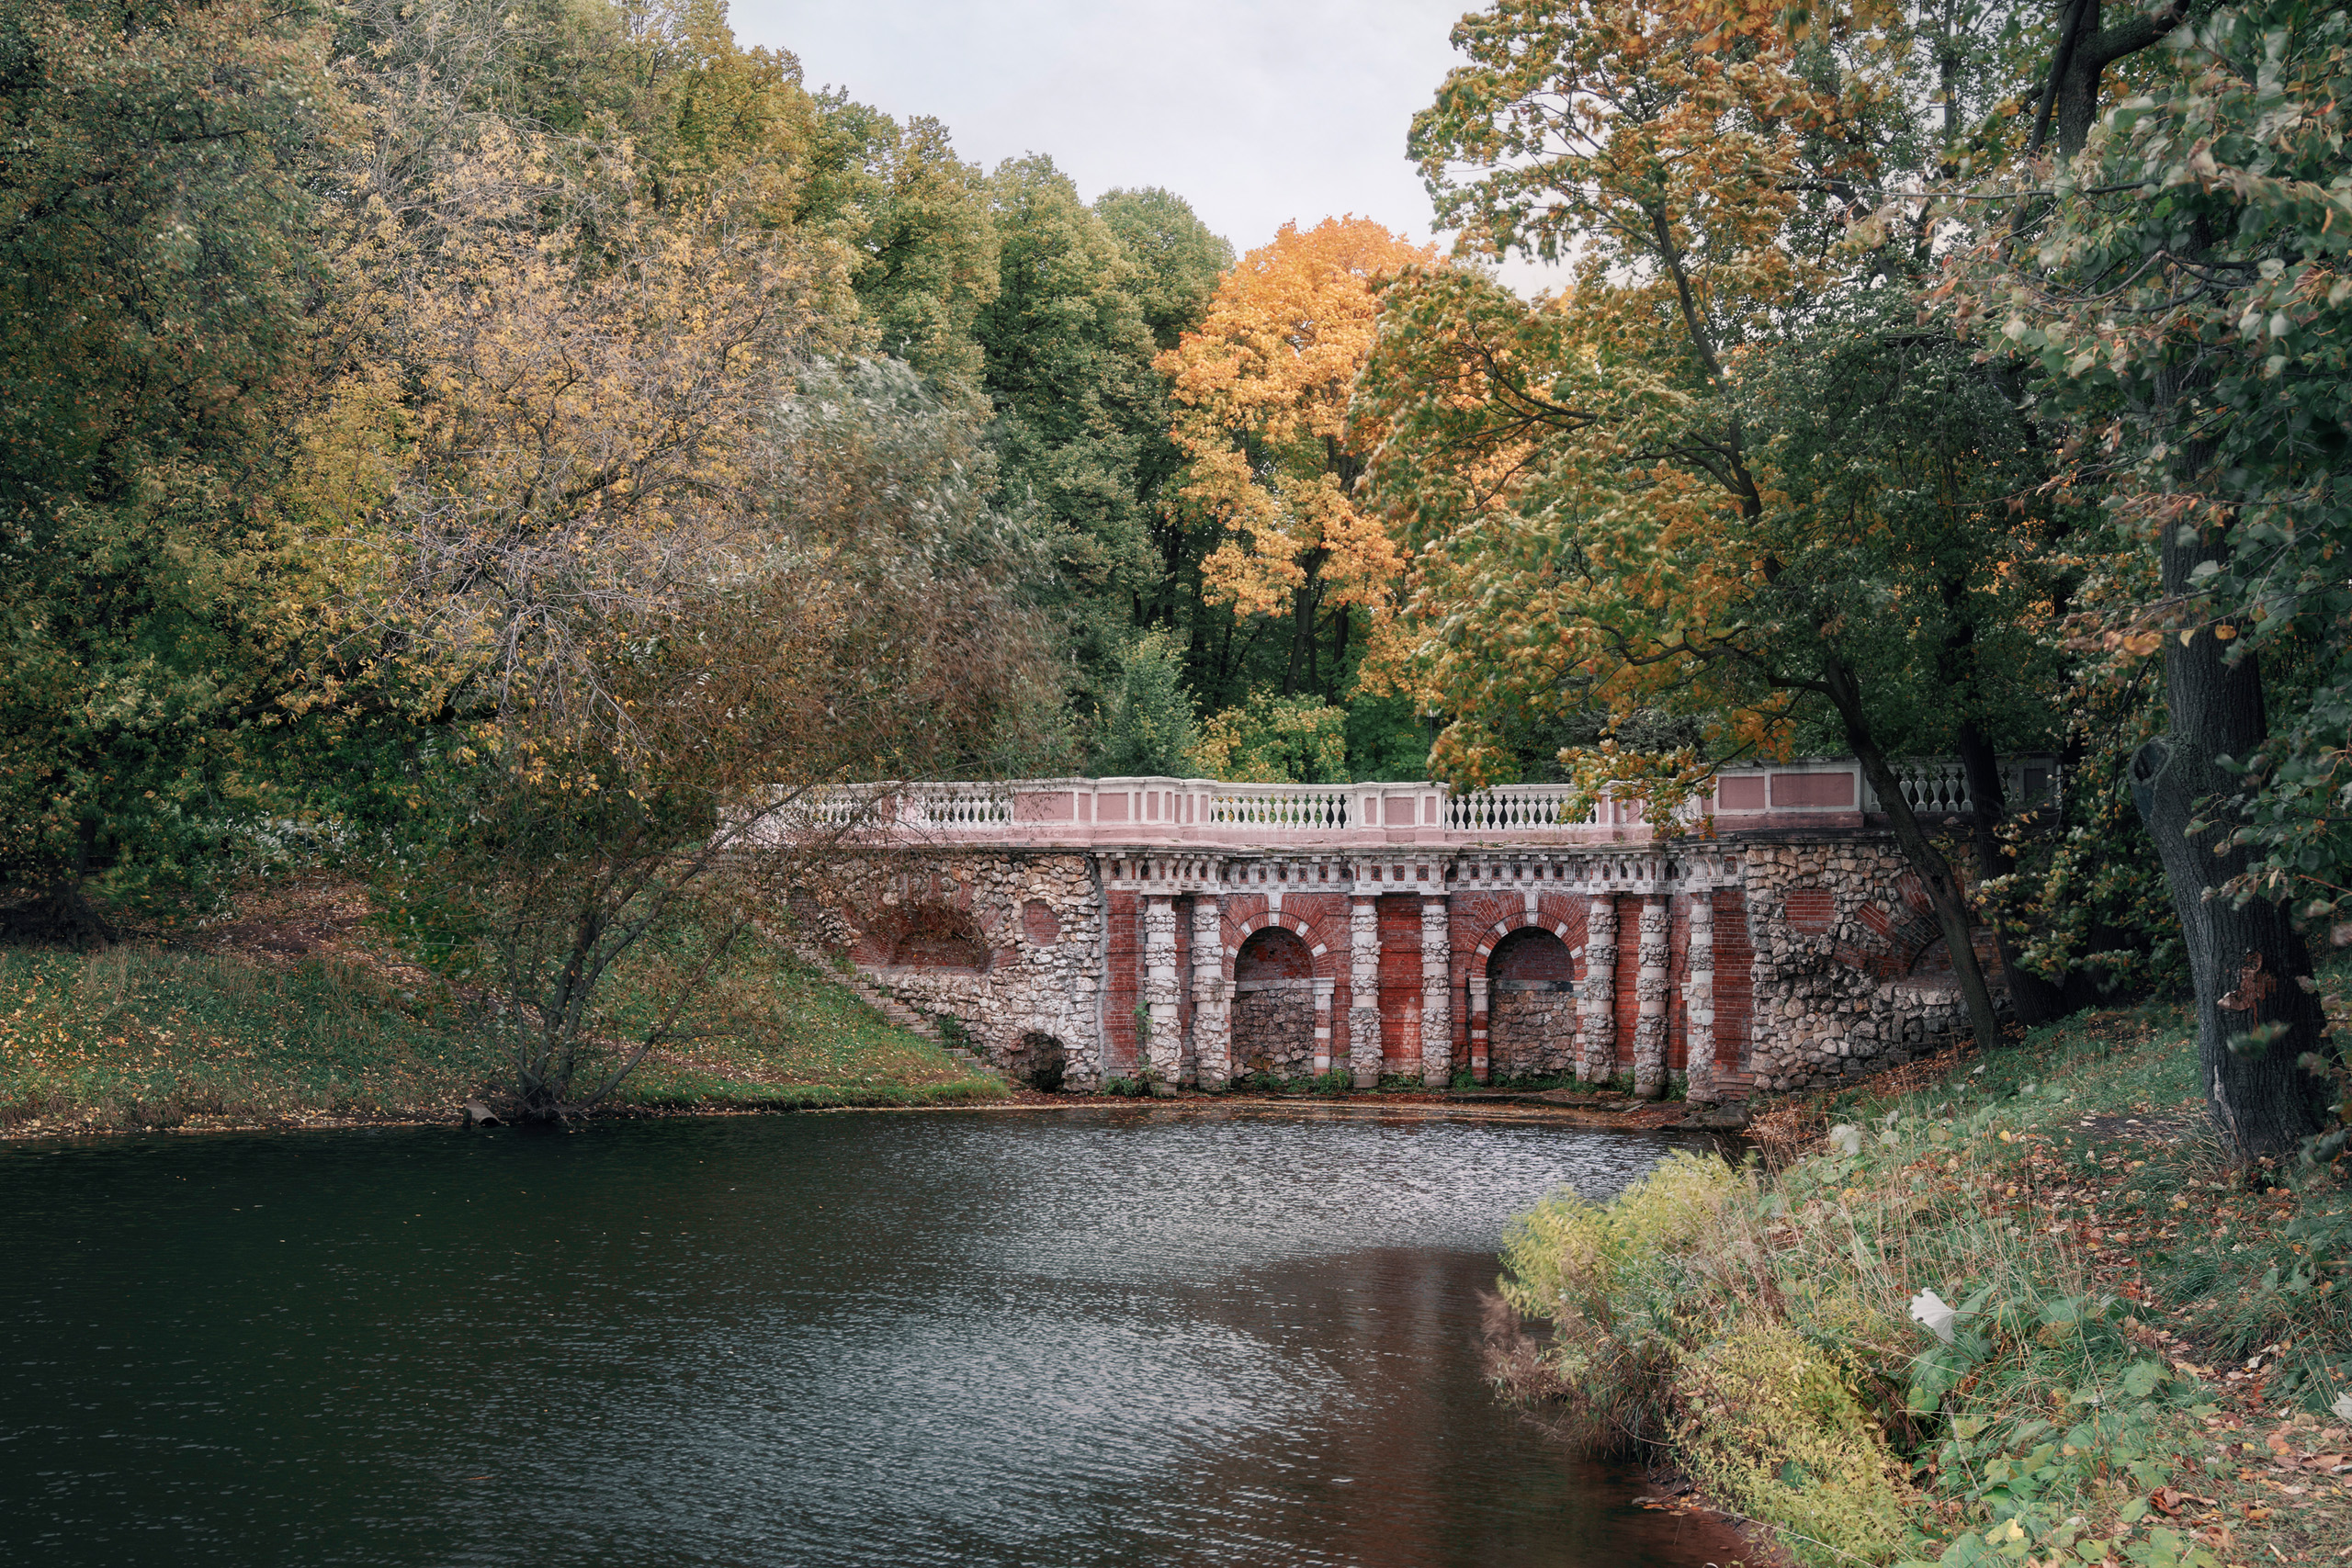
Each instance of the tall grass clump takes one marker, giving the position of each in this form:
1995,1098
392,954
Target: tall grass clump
1666,1327
1982,1318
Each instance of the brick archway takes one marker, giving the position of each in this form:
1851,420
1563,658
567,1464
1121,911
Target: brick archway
1571,933
1280,1025
1493,937
1239,931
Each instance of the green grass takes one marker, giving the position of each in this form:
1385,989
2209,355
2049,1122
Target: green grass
2134,1318
150,1035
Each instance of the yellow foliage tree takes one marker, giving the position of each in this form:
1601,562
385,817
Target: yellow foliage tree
1271,459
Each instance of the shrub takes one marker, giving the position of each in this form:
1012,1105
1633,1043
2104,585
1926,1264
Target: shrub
1601,1273
1768,1422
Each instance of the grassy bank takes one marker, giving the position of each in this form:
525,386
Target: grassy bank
234,1030
2148,1358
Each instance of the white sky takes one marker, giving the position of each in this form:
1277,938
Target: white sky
1254,113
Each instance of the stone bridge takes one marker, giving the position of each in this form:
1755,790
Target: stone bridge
1085,930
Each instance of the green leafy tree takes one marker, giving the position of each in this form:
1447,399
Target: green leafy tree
1177,260
2177,288
1146,725
1274,738
1724,474
157,224
1077,401
917,219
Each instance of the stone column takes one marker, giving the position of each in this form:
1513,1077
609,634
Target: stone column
1324,987
1212,996
1167,1043
1597,1001
1698,1002
1437,998
1364,992
1481,1028
1649,995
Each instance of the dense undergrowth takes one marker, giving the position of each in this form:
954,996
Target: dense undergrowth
2147,1355
153,1034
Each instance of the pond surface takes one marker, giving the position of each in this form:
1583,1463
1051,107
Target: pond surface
1090,1338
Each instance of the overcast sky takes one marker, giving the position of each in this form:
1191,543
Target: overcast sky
1255,113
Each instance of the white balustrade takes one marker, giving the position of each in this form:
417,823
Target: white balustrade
1279,807
1079,812
953,806
1517,808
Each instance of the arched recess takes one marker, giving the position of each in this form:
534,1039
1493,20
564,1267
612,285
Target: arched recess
939,936
1531,1006
1039,1060
1273,1005
1322,965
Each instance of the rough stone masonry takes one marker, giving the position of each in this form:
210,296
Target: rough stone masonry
1779,963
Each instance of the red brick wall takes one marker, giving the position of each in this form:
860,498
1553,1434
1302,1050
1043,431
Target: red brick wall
1530,954
1628,966
1810,909
1735,984
1188,1057
1400,976
1274,954
1562,909
1123,984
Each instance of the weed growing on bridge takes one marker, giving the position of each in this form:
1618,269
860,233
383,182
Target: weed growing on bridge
1991,1318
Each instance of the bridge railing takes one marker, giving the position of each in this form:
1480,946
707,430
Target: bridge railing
1827,792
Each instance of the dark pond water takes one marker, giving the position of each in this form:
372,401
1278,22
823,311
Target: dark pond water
1080,1338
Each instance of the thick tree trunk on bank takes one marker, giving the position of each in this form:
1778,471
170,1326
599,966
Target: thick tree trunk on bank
2082,52
1927,863
63,913
2245,961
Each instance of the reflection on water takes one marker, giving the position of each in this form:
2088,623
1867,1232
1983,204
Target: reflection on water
1079,1338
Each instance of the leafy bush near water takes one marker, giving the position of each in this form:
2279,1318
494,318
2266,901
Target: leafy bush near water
1761,1324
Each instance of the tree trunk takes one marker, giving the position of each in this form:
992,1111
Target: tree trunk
1927,863
2082,52
1305,603
2035,999
2246,963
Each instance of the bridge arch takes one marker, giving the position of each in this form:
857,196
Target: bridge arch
1532,1004
1274,1020
1241,931
1039,1058
1482,956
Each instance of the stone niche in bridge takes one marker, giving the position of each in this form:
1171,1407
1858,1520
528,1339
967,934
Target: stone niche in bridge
1196,931
1531,1013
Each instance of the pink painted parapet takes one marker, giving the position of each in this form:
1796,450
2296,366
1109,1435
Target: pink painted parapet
1083,813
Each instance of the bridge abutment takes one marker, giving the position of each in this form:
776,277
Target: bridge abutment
1781,963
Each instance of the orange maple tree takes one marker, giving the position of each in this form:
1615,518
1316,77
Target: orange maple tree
1271,458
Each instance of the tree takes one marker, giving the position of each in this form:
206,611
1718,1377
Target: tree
2179,291
1716,473
1146,726
1077,403
1263,387
660,773
918,219
637,584
1275,740
157,213
1177,260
